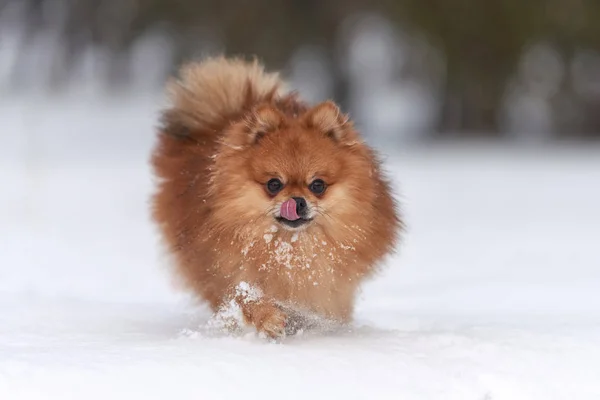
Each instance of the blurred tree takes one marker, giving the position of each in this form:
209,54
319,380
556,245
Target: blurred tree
273,30
482,41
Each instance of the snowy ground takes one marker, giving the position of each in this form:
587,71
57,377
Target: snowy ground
494,294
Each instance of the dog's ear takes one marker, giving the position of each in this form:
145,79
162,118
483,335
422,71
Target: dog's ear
329,120
263,120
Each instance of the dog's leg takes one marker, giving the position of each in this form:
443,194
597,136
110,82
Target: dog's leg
305,320
264,314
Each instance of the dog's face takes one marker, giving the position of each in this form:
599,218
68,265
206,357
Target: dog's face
300,173
297,178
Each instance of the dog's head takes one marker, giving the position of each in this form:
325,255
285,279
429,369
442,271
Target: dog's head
299,172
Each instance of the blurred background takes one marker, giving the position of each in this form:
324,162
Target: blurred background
407,69
486,111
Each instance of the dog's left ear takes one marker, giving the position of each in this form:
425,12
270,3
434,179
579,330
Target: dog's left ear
328,119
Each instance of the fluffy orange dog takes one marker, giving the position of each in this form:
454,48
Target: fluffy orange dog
266,202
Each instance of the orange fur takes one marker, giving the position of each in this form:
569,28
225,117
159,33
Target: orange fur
230,129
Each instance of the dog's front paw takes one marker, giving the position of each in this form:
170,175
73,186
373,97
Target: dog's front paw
271,321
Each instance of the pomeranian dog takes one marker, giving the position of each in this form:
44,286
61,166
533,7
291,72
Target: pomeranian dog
266,202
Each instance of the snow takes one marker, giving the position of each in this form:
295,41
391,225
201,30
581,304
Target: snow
268,237
493,294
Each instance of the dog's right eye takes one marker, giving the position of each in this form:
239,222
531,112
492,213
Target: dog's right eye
274,186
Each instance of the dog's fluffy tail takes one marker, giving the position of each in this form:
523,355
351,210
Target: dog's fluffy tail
207,95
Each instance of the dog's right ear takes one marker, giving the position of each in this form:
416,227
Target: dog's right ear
259,123
262,121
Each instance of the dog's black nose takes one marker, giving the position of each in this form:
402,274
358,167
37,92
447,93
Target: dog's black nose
301,206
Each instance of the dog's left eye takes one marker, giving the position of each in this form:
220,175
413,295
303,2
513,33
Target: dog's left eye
317,186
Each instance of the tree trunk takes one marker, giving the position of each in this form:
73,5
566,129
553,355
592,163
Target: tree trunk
471,106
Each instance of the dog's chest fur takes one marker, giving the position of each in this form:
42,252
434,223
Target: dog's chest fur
302,268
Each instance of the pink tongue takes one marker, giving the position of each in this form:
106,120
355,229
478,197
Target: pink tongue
288,210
